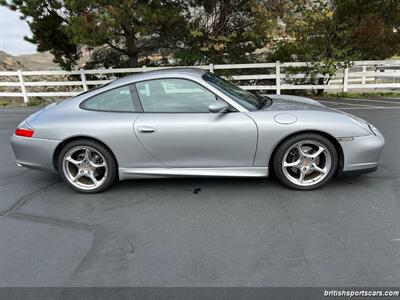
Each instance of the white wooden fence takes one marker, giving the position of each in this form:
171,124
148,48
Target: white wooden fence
361,75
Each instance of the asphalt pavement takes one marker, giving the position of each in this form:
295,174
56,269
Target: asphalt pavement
204,231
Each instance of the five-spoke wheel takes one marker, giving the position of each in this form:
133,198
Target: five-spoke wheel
87,166
305,161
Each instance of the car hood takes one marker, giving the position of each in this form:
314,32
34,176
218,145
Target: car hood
288,102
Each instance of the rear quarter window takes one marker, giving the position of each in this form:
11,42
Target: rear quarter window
115,100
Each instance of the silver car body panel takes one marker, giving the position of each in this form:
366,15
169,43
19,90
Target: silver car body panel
199,139
134,173
363,152
193,144
34,153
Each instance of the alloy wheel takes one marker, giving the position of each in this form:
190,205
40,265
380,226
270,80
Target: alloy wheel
306,163
85,167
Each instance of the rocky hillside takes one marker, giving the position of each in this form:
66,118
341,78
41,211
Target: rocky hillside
36,61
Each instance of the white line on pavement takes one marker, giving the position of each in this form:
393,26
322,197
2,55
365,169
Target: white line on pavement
332,102
372,100
376,107
9,116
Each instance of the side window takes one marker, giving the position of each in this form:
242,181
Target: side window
174,95
118,100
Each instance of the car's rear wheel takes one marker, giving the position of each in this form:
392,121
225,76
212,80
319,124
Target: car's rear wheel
305,161
87,166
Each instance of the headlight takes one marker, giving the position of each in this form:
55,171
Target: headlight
364,124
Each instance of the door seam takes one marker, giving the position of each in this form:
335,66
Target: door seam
256,150
143,146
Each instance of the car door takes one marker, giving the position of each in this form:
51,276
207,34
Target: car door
178,130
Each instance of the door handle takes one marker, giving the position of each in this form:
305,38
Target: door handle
146,129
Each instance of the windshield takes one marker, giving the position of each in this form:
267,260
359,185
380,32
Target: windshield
243,97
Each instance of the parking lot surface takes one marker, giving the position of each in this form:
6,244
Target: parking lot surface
204,231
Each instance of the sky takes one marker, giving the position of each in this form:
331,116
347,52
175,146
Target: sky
12,32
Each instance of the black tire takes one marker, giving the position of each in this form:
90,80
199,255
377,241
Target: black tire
287,144
112,172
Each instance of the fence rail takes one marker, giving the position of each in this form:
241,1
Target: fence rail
384,74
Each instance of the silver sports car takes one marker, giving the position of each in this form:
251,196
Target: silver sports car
189,122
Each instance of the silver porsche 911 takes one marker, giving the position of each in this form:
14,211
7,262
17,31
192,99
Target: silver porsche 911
188,122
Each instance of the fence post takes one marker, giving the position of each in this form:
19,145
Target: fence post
278,77
211,67
364,75
23,88
83,79
345,79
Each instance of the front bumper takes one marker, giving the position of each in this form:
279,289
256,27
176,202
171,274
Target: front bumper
33,152
362,154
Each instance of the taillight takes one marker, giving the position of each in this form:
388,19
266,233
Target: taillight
24,132
24,129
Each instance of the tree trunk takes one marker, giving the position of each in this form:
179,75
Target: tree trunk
131,46
132,60
320,92
132,51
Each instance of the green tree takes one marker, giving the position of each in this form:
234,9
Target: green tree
339,30
134,29
332,33
134,32
48,21
368,29
227,31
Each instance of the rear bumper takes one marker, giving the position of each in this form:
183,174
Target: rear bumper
34,153
362,154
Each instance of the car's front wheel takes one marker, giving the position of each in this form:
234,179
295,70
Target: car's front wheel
87,166
305,161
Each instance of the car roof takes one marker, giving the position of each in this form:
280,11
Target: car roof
153,74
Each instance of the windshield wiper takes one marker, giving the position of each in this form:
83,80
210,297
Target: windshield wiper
263,102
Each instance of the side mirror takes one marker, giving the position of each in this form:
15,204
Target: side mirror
218,106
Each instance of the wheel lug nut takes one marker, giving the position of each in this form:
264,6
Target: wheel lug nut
81,171
89,172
